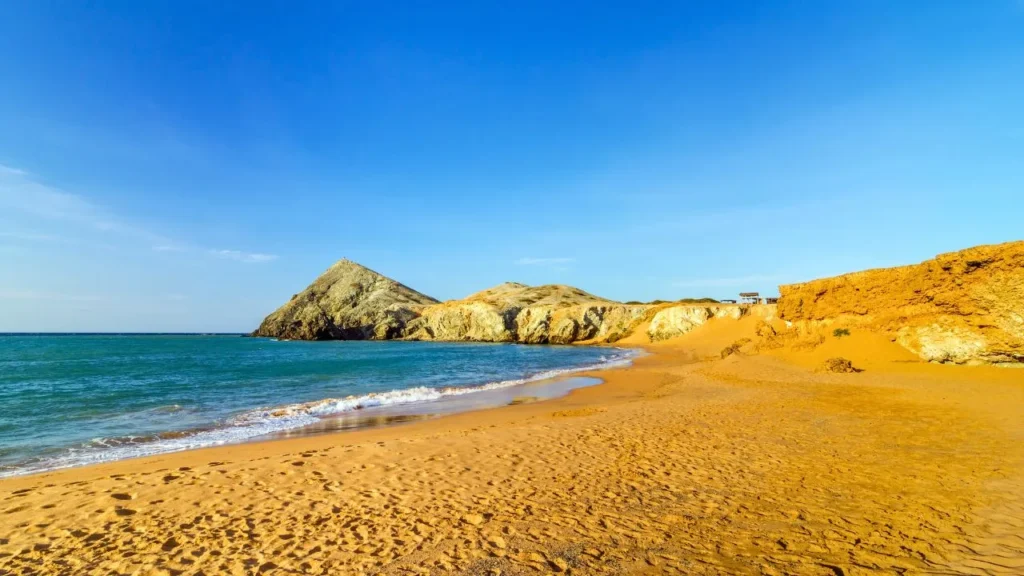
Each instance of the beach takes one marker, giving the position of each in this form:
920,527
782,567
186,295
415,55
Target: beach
492,289
681,463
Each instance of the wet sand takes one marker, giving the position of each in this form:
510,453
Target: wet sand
747,465
378,416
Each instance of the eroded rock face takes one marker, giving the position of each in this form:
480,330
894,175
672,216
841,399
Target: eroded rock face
678,320
612,323
464,321
551,314
964,307
564,332
533,325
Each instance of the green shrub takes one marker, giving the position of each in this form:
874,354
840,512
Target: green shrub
840,332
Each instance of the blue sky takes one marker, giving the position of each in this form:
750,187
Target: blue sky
189,166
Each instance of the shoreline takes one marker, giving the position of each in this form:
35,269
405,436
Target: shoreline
675,464
221,450
353,413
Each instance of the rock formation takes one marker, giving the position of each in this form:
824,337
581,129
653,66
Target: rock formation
964,307
673,321
347,302
512,312
352,302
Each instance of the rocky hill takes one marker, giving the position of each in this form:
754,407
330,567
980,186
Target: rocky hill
964,307
514,312
347,302
350,302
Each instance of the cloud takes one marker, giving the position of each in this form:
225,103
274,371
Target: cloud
49,296
544,261
14,171
30,236
738,282
168,248
247,257
21,194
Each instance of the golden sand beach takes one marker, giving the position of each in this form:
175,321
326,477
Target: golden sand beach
684,463
689,287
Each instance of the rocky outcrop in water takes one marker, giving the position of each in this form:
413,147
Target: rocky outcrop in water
964,307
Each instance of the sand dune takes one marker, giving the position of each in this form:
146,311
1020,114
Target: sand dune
755,464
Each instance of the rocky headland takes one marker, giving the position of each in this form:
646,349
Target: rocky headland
352,302
965,307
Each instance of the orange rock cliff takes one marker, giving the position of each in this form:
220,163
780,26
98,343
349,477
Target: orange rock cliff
963,307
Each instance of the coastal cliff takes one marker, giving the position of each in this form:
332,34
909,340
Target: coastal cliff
351,302
963,307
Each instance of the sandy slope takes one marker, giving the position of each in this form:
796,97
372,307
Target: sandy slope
748,465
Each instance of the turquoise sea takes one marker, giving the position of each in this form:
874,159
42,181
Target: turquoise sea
67,400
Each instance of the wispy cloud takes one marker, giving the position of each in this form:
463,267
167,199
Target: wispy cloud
10,170
48,296
169,248
30,236
21,193
544,261
735,282
248,257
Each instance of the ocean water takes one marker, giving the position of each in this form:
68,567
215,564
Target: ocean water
68,400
